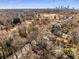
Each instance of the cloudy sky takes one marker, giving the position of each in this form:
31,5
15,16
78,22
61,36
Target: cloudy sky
37,3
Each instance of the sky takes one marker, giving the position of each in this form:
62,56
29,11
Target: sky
4,4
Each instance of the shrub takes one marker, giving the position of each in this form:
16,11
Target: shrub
22,31
56,29
15,21
69,53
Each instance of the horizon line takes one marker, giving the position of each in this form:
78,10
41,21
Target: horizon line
37,8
